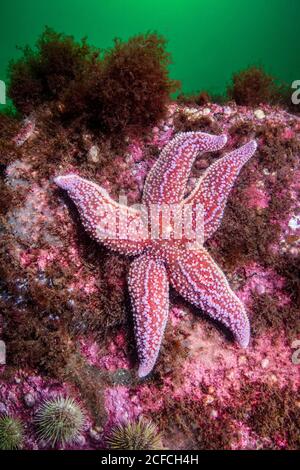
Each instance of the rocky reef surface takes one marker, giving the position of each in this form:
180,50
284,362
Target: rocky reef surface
65,313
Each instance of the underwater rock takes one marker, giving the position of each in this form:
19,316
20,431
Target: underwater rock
62,296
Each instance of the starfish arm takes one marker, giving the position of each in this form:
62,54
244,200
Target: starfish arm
167,179
215,185
149,292
118,227
199,280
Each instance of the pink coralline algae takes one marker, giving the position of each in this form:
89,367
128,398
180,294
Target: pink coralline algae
167,258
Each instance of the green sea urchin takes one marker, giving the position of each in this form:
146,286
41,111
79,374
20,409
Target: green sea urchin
59,420
11,433
140,435
193,273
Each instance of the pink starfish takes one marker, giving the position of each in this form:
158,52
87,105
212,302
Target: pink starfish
168,253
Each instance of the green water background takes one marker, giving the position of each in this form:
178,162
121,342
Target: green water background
208,39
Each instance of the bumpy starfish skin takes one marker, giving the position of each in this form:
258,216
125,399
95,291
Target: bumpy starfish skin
149,291
167,179
169,258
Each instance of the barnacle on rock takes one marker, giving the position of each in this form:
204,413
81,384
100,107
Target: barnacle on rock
43,73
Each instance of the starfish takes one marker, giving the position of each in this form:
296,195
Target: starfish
165,251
